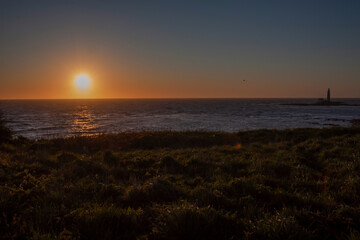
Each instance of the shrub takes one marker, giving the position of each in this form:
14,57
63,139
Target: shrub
170,165
66,157
187,221
108,222
5,133
277,226
110,159
155,190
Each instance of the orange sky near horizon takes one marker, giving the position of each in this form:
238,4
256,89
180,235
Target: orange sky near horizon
52,73
53,77
106,83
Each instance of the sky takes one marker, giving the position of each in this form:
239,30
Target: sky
179,49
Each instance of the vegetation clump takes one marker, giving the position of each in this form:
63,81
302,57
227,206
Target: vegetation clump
264,184
5,133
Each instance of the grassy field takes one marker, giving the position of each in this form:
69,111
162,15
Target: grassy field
265,184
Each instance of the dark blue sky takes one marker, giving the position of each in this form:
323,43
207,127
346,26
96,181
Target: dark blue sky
185,48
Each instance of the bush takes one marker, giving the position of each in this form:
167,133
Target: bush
5,133
155,190
187,221
108,222
277,226
110,159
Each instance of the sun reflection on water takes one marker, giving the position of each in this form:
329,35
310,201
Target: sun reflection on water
84,123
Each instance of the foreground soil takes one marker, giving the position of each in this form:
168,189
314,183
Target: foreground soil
292,184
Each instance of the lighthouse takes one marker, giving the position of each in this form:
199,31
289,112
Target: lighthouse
328,95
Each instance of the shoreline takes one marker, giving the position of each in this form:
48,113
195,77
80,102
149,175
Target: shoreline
354,123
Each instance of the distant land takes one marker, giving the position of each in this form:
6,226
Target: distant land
323,102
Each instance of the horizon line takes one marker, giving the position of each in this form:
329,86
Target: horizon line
149,98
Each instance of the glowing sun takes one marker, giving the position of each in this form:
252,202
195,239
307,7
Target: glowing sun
82,82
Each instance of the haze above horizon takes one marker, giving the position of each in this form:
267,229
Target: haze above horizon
179,49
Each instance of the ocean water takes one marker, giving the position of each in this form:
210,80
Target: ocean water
58,118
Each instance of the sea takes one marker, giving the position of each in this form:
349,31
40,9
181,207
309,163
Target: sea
38,119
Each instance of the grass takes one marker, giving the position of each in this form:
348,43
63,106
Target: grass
264,184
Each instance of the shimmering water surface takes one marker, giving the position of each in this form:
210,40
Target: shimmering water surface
58,118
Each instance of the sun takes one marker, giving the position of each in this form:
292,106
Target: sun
82,81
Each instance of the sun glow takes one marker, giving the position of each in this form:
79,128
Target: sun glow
82,82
